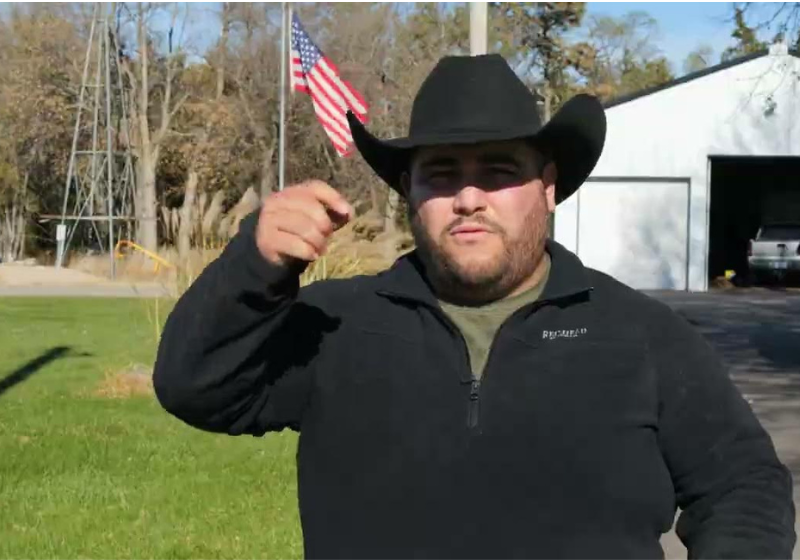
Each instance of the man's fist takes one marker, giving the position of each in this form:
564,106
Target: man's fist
296,223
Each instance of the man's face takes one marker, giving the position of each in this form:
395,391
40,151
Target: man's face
479,216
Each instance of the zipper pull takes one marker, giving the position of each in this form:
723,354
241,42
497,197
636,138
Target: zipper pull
473,403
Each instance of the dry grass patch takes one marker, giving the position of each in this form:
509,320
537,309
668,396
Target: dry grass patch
361,247
132,381
722,283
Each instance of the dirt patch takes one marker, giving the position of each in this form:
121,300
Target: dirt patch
21,275
133,381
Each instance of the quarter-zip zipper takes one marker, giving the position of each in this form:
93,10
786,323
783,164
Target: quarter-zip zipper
475,384
473,410
474,394
474,404
473,414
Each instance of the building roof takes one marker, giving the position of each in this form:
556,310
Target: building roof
692,76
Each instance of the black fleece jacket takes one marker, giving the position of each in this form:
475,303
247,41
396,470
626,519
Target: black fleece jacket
600,412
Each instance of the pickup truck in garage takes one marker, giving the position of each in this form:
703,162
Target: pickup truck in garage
775,252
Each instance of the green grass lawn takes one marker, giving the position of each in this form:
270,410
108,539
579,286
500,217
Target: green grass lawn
82,475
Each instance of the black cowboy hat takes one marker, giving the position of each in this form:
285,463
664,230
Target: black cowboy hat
472,99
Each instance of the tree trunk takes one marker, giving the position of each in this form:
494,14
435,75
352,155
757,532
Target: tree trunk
20,249
175,221
247,204
548,103
10,231
147,235
390,216
375,199
166,218
23,237
13,218
267,169
6,234
213,214
223,48
187,218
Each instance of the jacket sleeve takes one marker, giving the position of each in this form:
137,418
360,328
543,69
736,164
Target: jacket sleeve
734,493
232,357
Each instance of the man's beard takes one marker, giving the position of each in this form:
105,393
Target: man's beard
491,280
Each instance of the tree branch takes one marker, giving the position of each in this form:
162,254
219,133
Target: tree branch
178,105
144,92
252,123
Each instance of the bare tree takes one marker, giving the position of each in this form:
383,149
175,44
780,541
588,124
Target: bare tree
746,36
255,73
37,94
698,59
152,108
772,21
625,58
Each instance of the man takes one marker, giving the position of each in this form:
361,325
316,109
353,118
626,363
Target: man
488,396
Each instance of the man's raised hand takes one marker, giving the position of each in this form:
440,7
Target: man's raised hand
296,224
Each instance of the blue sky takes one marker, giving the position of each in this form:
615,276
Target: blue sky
683,26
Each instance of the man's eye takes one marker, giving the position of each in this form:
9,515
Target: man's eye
502,175
504,171
440,175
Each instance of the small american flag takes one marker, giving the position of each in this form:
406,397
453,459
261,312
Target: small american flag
313,73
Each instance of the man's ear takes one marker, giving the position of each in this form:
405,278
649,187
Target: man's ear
549,177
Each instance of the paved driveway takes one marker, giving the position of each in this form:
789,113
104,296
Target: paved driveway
757,333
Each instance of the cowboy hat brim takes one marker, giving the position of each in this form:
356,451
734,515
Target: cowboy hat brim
574,136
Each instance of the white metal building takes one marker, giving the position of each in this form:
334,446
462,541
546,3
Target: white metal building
686,172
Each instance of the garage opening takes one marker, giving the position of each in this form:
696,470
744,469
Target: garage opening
746,192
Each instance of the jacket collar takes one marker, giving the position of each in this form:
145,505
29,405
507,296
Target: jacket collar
406,278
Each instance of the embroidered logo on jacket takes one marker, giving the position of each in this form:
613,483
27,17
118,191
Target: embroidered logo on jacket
566,333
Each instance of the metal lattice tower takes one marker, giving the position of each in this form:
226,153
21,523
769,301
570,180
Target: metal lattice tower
98,193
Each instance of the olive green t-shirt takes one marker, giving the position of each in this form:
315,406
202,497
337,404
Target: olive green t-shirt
479,325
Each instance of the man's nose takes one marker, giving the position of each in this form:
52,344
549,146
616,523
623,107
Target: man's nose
469,200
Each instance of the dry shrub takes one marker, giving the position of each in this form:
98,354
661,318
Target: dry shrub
722,283
358,248
355,249
133,381
187,270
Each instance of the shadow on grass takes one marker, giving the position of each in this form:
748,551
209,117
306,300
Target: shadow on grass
19,375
